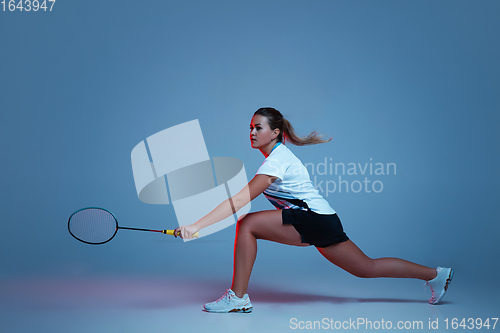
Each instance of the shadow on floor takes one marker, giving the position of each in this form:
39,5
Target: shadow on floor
147,293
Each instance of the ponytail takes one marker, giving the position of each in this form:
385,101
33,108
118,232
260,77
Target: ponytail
276,120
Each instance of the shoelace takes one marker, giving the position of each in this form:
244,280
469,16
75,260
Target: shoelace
428,283
226,294
430,286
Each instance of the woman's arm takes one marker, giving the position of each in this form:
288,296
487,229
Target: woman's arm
230,206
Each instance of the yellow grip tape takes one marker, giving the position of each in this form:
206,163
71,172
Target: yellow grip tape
171,233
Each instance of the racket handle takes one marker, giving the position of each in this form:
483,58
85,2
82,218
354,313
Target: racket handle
171,233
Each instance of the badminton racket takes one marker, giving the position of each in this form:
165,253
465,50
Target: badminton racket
97,226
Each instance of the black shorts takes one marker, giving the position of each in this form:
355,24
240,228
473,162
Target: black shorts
315,229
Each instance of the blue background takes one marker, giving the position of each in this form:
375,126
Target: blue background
415,83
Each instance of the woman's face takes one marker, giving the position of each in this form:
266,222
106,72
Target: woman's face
260,133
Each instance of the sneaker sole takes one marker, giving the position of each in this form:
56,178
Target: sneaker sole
242,310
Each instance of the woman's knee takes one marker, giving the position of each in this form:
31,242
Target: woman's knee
365,270
244,223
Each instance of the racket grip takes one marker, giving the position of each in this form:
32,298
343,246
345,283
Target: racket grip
171,233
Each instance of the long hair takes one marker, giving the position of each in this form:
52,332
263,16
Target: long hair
276,120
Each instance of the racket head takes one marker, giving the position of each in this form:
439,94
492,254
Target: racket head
93,225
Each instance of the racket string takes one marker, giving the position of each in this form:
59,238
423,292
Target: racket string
93,225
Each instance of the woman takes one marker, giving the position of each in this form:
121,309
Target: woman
303,218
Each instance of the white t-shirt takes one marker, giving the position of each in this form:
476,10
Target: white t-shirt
293,189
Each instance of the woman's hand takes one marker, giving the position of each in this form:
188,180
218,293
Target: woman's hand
186,231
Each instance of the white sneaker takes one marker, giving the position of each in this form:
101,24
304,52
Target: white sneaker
229,302
440,284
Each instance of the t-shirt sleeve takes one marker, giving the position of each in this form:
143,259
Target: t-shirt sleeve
272,167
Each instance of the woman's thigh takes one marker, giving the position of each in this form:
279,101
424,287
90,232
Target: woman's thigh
268,225
349,257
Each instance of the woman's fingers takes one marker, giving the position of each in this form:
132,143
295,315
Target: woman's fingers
178,232
183,232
